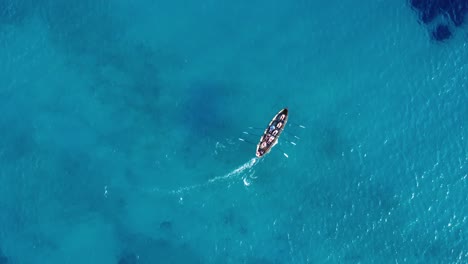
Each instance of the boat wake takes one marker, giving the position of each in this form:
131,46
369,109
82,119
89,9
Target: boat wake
244,170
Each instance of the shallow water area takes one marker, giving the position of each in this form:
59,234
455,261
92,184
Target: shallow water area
120,125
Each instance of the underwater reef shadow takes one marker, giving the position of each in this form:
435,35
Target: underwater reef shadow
17,139
14,12
143,249
206,115
139,87
441,17
81,28
230,219
3,259
123,72
205,112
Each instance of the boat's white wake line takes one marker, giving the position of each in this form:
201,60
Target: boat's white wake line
248,165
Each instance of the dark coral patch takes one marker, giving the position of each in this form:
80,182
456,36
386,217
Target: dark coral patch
441,33
452,11
165,225
427,10
129,258
431,9
457,10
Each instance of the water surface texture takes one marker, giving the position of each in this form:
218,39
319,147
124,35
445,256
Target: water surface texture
120,123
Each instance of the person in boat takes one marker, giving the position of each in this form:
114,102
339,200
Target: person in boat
279,125
272,127
282,117
274,133
271,139
263,145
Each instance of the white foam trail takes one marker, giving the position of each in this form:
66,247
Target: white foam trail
248,165
246,182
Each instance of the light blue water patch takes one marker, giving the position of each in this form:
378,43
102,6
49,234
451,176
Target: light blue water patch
120,126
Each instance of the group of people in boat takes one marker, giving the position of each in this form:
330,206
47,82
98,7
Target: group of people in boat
271,134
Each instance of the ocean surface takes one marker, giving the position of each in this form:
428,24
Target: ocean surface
120,123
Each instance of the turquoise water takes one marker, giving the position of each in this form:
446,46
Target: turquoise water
120,125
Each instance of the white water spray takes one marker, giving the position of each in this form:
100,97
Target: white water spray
234,173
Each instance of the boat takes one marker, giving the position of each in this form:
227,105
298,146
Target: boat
271,134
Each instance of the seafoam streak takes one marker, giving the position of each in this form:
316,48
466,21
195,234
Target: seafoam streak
234,173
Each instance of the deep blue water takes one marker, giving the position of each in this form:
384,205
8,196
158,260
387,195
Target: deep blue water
120,124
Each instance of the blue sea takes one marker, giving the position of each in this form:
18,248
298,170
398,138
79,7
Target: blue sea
120,125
